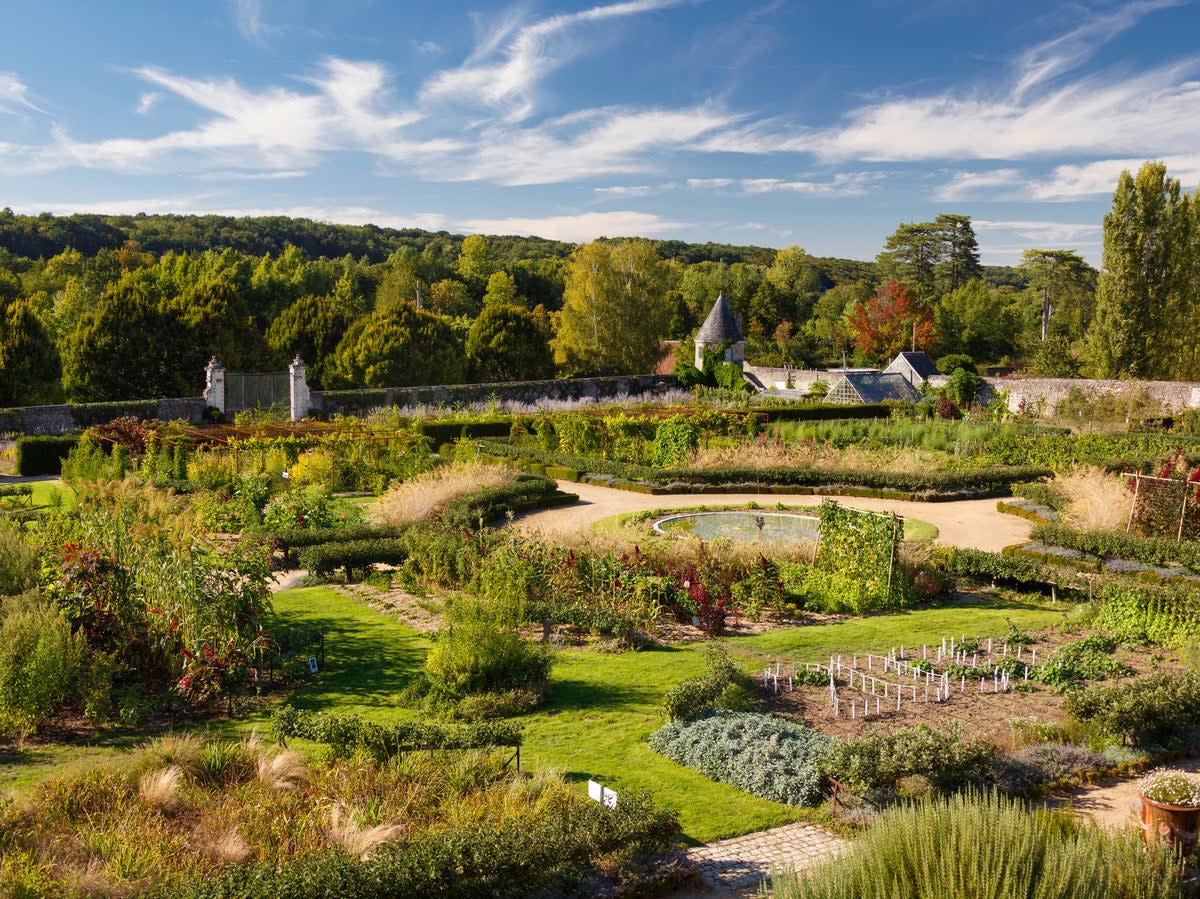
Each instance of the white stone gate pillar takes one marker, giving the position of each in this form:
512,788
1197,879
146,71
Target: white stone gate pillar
214,385
299,389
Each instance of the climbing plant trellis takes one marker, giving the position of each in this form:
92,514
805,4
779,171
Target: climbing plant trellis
859,550
866,685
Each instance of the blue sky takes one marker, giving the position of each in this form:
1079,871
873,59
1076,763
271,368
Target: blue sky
822,124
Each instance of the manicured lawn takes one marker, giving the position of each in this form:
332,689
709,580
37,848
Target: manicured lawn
602,706
370,656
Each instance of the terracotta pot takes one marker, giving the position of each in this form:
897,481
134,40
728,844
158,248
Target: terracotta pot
1175,825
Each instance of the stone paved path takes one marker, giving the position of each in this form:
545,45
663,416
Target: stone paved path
736,867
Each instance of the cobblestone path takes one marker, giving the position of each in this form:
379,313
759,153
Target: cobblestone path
735,867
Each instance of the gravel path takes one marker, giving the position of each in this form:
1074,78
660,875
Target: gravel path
1113,802
972,523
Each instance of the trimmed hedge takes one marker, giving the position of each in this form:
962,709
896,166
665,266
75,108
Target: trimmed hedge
298,538
823,411
43,453
1021,512
1118,545
326,558
980,565
994,480
529,492
347,735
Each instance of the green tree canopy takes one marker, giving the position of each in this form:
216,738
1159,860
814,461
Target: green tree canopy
310,328
508,343
29,365
501,291
126,349
977,321
404,347
614,310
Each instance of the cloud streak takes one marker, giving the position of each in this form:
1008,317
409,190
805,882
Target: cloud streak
579,228
14,95
512,60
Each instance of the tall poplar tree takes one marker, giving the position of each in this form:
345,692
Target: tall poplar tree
1143,297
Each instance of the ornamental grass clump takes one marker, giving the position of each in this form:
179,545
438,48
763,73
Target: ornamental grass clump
984,846
421,498
1171,786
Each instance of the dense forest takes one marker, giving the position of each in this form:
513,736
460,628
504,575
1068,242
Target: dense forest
120,307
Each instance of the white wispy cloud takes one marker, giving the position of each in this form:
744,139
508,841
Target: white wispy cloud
579,228
625,190
967,184
14,94
147,101
842,184
1072,182
511,59
248,16
1046,61
1038,111
582,145
1043,232
427,48
273,128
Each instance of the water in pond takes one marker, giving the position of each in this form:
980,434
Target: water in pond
742,526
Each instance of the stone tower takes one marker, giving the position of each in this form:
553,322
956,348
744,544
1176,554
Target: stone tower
720,328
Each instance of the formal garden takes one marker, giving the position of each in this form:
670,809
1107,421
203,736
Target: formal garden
275,659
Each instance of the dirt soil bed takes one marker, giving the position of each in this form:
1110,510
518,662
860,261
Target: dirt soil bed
985,714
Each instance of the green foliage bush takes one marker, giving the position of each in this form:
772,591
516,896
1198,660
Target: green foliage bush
722,682
1153,710
300,507
40,661
43,453
874,765
673,440
1080,660
763,755
293,538
581,850
1141,613
855,568
480,650
973,846
1009,570
18,561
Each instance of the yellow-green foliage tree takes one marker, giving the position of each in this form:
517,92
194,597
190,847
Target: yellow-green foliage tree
614,310
403,347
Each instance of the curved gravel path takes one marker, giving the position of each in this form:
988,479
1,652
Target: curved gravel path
971,523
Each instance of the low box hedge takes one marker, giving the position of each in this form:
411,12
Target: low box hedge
991,481
351,556
529,492
1118,545
42,454
298,538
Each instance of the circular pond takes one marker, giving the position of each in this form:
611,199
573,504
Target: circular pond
741,526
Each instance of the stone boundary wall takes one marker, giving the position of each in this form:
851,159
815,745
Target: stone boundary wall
64,418
802,378
1049,392
353,402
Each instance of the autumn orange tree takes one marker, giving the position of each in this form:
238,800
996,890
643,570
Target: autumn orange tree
887,323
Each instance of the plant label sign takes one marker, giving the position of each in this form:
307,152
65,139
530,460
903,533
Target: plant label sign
312,664
602,794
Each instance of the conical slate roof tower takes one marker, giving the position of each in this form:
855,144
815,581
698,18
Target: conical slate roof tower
721,328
